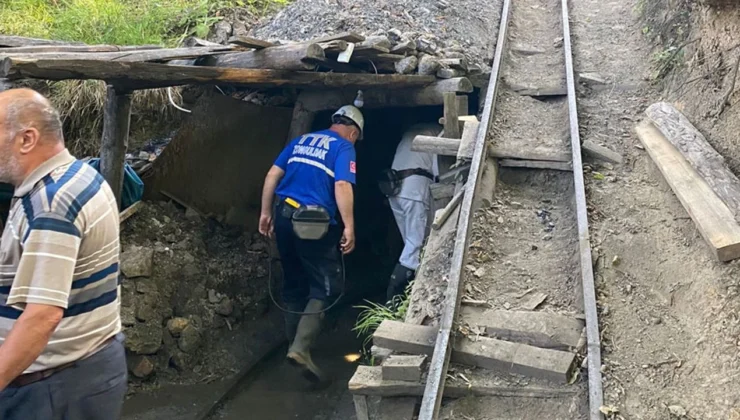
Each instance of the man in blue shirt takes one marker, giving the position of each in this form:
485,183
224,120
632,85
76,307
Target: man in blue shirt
316,169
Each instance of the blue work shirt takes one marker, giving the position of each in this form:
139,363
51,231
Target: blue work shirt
312,164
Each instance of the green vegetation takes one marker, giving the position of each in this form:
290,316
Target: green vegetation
117,22
373,314
121,22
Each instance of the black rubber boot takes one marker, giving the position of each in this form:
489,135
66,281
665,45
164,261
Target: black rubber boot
299,354
292,319
400,278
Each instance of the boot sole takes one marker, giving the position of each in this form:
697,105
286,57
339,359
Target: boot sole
297,361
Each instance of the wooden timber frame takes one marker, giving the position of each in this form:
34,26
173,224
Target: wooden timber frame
437,375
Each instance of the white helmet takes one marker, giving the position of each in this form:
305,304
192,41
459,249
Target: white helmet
354,114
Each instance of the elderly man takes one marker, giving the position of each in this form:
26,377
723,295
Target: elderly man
61,351
312,179
410,199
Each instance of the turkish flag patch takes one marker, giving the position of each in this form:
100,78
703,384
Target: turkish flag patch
353,167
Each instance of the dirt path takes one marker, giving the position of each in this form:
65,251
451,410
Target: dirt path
669,332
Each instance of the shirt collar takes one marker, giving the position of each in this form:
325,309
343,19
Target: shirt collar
60,159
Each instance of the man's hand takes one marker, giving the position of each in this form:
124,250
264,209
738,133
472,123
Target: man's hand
348,241
266,226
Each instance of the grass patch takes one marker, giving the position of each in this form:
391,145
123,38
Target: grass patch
118,22
373,314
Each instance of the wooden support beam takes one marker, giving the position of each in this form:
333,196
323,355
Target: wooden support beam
249,42
283,57
540,329
368,380
451,147
508,152
536,164
20,41
302,121
695,148
712,217
331,64
484,352
361,408
130,211
116,123
344,36
487,185
601,152
452,128
164,54
467,143
76,48
150,75
432,94
437,145
442,215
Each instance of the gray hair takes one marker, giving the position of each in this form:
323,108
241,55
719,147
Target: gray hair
23,113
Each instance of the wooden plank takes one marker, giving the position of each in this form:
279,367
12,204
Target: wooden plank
331,64
335,47
20,41
484,352
437,145
595,393
442,215
452,174
712,217
539,92
467,144
452,129
460,118
539,329
487,187
368,380
432,94
113,146
346,55
344,36
601,152
512,152
536,164
403,368
164,54
441,191
361,408
450,147
695,148
76,48
404,48
249,42
130,211
150,75
283,57
440,360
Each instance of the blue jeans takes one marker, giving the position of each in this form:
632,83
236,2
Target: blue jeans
92,389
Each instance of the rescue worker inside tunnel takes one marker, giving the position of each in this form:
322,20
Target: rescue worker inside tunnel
311,180
406,185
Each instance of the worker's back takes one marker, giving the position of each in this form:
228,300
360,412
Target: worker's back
416,187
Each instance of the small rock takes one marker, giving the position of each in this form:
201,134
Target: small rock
180,360
616,261
146,310
395,35
428,65
221,32
656,320
427,44
407,65
137,262
377,41
592,78
140,366
479,272
189,339
128,319
144,338
500,219
507,305
225,308
677,410
239,29
547,237
214,296
558,42
177,325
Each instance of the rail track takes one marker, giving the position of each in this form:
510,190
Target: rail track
531,96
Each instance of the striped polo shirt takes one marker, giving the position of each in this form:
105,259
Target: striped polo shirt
60,248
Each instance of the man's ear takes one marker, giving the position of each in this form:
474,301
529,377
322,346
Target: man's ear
29,139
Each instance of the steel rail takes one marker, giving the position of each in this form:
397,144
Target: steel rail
595,395
434,389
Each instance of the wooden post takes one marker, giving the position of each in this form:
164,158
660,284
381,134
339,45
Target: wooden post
452,126
361,407
116,123
302,120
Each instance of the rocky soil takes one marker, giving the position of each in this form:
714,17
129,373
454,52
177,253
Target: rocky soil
187,282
